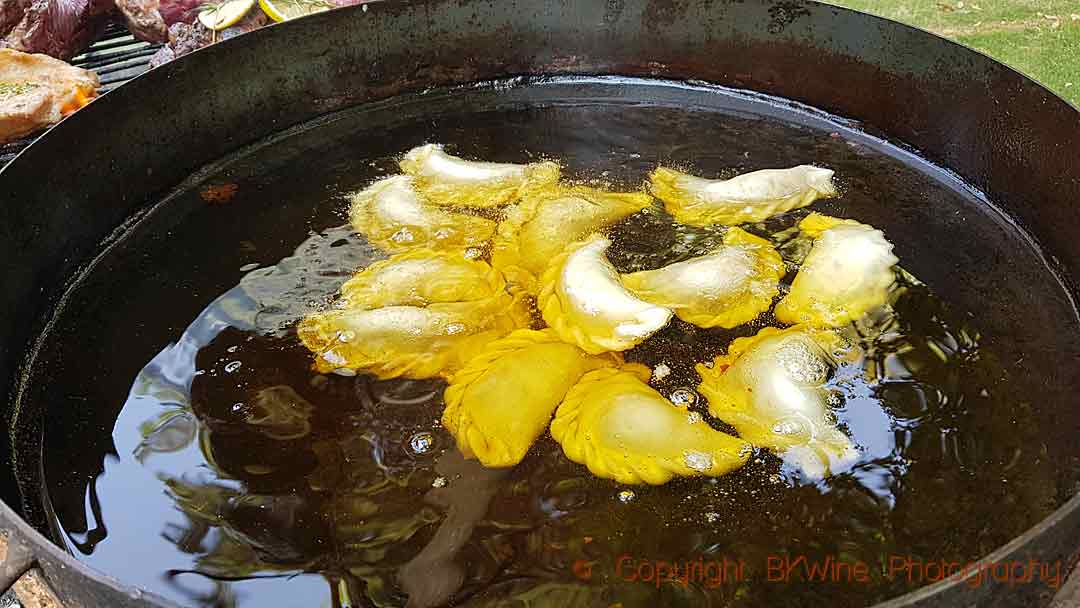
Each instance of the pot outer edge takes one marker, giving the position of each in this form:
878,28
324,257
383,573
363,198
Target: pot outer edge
895,80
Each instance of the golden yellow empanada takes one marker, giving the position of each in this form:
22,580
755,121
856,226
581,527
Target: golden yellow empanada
503,399
614,423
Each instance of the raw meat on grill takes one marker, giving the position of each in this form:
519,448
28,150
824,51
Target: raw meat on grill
59,28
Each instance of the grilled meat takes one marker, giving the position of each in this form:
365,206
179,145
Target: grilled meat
150,19
37,91
11,12
183,39
191,35
180,11
187,37
60,28
63,28
144,20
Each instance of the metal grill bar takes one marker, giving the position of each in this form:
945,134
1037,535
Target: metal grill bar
114,28
107,64
111,43
122,62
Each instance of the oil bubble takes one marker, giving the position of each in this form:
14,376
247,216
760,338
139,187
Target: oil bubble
332,356
403,236
683,396
661,371
698,461
421,443
787,427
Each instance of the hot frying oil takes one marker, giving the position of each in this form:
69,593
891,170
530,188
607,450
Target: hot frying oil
232,474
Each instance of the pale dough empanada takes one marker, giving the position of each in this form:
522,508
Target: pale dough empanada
582,298
725,288
750,197
409,341
392,216
419,278
397,319
771,388
539,227
444,179
847,273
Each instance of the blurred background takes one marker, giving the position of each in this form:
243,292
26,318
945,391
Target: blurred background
1038,37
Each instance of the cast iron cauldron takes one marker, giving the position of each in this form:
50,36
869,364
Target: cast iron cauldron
74,191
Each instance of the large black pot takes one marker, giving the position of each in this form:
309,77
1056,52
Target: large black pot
75,189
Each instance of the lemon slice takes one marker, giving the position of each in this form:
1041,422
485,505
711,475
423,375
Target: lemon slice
283,10
221,16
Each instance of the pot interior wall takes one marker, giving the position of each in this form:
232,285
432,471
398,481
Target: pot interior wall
1002,462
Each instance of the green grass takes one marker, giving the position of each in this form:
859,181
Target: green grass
1038,37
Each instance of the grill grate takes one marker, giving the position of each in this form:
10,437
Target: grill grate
116,57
